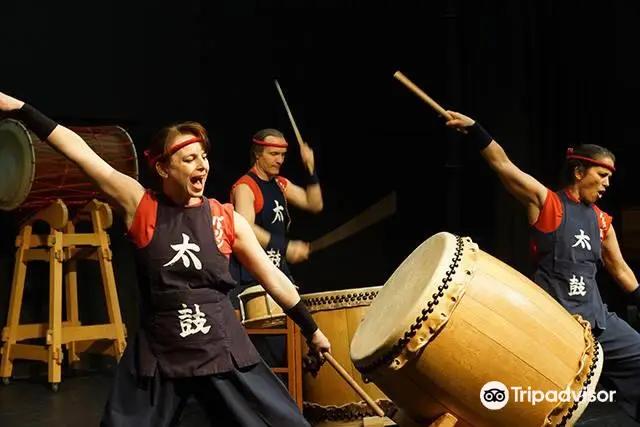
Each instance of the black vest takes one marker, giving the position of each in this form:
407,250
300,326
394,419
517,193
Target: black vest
273,217
569,259
188,327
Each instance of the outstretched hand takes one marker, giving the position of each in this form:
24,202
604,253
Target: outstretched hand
9,103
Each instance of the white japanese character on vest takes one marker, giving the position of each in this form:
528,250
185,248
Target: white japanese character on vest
185,252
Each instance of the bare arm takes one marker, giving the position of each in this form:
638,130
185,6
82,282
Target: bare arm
242,199
125,191
526,189
247,249
309,199
615,263
255,260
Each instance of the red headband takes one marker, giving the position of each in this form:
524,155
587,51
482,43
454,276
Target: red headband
570,155
271,144
152,160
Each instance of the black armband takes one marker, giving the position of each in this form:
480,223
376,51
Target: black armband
313,179
40,124
300,314
279,242
635,296
478,136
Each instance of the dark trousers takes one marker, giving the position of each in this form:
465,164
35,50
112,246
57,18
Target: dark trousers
621,368
247,397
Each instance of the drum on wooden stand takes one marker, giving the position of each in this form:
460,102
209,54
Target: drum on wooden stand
35,175
259,310
452,319
328,399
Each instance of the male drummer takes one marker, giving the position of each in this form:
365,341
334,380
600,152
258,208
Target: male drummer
262,196
571,238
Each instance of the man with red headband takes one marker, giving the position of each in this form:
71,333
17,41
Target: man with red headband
570,238
262,196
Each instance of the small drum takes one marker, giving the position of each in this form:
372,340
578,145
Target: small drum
328,399
452,319
35,175
259,310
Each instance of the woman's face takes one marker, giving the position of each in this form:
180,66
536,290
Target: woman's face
185,173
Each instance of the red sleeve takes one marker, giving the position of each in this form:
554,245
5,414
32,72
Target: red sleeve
550,215
258,201
604,222
144,221
223,227
282,182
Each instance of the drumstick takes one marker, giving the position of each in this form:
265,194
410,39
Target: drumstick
286,106
408,83
333,362
381,210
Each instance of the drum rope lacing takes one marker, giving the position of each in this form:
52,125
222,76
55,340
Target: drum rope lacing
586,384
317,413
336,299
436,296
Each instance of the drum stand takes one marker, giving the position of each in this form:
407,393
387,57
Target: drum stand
62,246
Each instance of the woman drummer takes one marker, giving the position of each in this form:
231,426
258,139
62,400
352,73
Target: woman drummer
190,340
570,237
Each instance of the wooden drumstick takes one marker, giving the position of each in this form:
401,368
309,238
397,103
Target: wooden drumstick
333,362
381,210
286,106
408,83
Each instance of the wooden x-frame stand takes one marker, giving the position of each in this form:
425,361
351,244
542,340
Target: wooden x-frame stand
62,247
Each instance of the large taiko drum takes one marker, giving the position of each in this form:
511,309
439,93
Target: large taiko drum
328,399
34,174
452,320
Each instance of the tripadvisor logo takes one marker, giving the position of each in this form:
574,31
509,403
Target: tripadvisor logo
494,395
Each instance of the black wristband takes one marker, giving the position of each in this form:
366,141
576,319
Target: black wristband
635,296
40,124
478,136
300,314
313,179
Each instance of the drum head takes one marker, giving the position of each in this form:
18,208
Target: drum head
402,298
17,164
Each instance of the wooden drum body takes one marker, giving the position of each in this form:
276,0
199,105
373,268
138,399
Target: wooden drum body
259,310
35,175
328,399
452,319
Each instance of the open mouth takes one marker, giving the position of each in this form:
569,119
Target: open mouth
601,193
197,181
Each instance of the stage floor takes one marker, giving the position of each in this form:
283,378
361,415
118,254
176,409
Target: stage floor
81,396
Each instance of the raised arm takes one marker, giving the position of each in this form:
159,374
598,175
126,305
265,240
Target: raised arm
529,191
248,251
309,198
123,190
